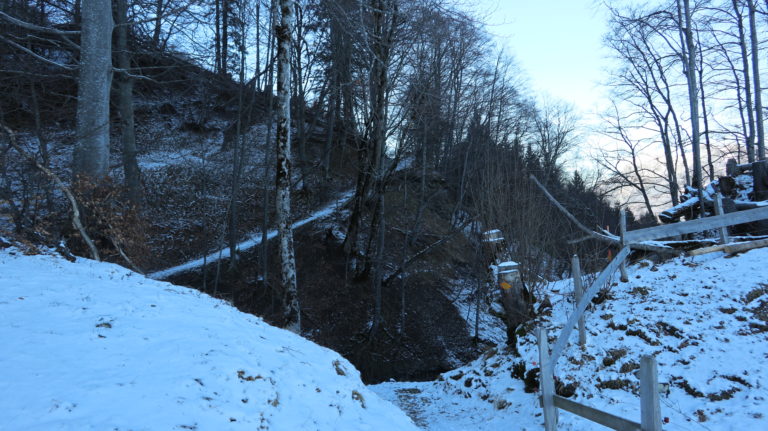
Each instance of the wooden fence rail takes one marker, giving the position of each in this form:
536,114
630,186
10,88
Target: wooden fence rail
697,225
595,415
650,410
586,298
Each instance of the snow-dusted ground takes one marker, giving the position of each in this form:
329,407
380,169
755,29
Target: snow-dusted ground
704,319
93,346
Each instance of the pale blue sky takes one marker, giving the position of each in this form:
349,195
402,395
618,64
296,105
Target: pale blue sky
558,44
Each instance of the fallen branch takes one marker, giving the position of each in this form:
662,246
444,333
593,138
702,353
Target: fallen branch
578,240
424,251
418,254
119,249
612,239
72,201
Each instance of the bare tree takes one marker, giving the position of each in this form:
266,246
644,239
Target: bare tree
756,76
283,35
555,129
91,156
644,83
750,138
623,163
385,16
689,58
125,103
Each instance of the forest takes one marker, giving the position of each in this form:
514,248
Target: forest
333,165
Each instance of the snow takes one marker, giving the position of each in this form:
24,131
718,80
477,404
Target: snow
703,318
162,159
93,346
253,240
507,267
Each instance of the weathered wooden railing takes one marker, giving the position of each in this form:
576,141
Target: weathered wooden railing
649,397
650,412
697,225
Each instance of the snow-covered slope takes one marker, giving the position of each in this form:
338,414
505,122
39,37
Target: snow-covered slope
93,346
704,318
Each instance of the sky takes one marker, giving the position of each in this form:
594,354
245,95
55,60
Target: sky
558,44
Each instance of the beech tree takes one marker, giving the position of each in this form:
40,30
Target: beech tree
91,156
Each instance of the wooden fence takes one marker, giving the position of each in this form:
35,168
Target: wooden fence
649,394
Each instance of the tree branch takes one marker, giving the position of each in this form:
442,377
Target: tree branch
605,238
33,27
72,201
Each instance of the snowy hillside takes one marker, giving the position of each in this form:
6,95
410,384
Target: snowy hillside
704,318
90,345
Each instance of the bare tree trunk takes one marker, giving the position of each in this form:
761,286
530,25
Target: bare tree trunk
267,145
681,148
257,83
283,34
158,23
343,66
125,93
330,126
756,76
42,143
384,16
224,36
91,156
300,97
750,138
237,165
671,175
707,144
217,38
693,99
351,240
641,186
338,53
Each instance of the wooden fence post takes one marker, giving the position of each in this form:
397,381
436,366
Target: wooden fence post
719,211
546,379
578,290
650,411
623,233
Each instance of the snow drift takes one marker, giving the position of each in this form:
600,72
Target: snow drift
90,345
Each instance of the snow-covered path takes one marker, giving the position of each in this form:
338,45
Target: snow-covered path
253,240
